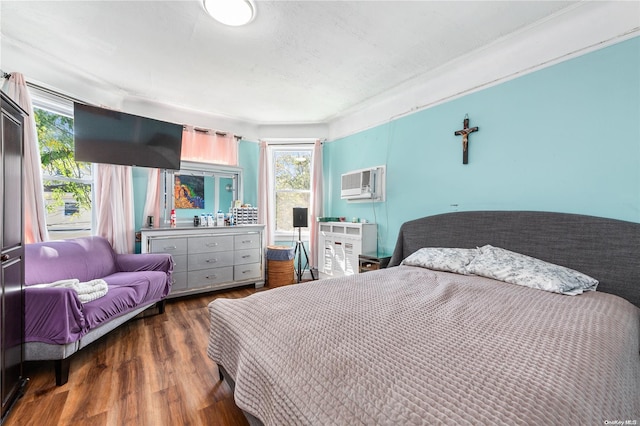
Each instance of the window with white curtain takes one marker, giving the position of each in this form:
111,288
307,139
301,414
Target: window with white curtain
292,185
67,183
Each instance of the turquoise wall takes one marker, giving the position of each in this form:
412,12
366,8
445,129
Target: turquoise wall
249,157
565,138
140,178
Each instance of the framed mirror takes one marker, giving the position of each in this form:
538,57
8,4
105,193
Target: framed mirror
199,188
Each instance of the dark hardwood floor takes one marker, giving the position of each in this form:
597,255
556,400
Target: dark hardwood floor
150,371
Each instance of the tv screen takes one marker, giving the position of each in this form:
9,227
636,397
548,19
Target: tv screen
105,136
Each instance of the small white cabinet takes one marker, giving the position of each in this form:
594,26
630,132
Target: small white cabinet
210,258
340,244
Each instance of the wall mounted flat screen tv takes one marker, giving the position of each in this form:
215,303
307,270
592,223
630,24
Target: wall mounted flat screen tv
105,136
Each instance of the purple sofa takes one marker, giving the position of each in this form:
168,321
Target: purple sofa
57,324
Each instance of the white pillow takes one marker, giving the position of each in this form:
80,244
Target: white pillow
516,268
442,259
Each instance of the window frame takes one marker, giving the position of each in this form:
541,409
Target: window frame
61,105
280,235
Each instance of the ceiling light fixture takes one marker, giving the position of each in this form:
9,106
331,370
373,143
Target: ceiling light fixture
231,12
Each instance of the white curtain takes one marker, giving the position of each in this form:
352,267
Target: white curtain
35,227
152,203
315,204
266,210
209,146
114,206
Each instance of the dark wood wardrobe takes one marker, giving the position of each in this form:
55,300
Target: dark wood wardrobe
12,380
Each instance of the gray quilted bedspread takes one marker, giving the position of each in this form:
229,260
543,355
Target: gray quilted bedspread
410,346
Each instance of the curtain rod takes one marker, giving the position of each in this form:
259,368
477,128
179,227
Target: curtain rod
293,142
54,93
289,143
45,89
217,132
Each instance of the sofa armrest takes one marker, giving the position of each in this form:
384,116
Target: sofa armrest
145,262
53,315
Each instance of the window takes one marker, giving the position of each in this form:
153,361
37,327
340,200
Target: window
66,183
292,184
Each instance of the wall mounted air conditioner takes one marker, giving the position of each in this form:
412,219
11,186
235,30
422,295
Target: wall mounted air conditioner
363,184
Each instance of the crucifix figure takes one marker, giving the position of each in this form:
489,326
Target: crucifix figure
465,138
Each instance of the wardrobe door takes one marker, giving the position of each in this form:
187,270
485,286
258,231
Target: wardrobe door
12,257
12,229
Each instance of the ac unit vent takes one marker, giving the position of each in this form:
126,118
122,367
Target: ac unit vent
362,184
351,181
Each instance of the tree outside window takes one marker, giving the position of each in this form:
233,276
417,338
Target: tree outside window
292,183
66,182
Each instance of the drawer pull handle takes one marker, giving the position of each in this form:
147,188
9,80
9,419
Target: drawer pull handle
170,248
212,244
246,256
247,241
211,277
246,271
211,260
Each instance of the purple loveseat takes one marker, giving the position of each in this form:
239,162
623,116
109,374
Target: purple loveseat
57,324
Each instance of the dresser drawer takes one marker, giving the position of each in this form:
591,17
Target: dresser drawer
179,281
208,277
247,272
215,259
179,263
247,256
168,245
210,244
247,241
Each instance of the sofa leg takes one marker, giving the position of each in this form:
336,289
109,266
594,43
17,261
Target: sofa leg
62,371
161,305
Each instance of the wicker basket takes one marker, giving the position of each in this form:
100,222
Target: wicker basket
279,272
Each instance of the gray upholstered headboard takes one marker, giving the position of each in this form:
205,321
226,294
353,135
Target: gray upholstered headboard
606,249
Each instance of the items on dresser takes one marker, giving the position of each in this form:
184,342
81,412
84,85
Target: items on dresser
210,258
244,215
340,244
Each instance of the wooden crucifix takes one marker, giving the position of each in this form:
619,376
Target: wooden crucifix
465,138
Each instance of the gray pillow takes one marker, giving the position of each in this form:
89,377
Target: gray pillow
442,259
516,268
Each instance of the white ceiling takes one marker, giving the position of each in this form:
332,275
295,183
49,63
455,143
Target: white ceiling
298,62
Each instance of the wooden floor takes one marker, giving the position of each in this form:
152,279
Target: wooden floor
150,371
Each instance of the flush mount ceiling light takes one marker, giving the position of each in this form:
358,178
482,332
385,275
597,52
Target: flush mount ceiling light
231,12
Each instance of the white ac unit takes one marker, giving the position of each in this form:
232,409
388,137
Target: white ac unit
362,184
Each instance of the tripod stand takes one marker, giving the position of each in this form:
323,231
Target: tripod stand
299,251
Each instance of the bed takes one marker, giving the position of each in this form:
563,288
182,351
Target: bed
428,341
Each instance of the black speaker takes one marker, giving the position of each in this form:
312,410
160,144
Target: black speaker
300,217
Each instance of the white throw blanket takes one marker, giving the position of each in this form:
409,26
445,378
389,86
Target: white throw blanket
87,291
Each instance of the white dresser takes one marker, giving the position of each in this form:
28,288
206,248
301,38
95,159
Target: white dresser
340,244
210,258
